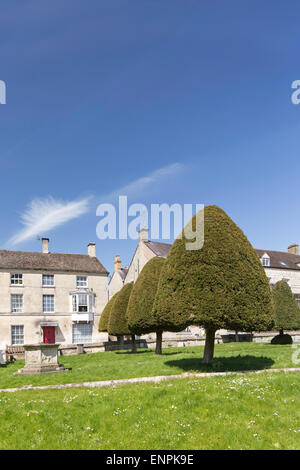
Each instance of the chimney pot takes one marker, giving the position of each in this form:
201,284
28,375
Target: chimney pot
117,263
143,235
92,249
294,249
45,245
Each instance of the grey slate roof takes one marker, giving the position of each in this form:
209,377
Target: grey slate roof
122,272
278,259
160,249
281,259
26,260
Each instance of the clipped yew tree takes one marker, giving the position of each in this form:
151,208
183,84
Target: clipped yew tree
221,285
139,311
103,322
117,323
287,312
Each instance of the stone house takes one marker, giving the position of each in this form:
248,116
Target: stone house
51,297
283,265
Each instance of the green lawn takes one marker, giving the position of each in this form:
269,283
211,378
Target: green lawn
233,412
124,364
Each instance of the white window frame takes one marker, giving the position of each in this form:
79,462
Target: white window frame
265,261
77,302
81,282
20,307
46,310
47,276
17,336
79,337
83,303
16,277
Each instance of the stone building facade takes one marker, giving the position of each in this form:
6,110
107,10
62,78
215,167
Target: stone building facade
281,265
51,297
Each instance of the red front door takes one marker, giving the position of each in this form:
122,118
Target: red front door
49,334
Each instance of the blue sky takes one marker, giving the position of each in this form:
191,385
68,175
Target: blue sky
102,93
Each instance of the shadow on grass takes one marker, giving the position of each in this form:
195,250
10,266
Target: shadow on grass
130,352
223,364
165,353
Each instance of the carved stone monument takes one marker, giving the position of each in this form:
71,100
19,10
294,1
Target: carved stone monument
41,358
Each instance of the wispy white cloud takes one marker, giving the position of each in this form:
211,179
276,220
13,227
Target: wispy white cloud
140,185
45,214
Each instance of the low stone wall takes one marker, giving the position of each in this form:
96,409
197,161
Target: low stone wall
70,349
176,341
173,341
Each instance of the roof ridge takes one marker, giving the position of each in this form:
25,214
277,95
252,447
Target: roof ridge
37,260
41,253
162,243
277,251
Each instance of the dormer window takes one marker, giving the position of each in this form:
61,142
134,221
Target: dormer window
265,260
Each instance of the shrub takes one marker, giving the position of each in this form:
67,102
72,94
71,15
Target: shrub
222,285
282,339
139,309
103,322
287,312
117,324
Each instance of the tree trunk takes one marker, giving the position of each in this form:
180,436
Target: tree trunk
209,346
121,340
133,344
281,332
158,349
236,336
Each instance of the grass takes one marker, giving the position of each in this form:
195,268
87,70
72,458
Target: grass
232,412
124,364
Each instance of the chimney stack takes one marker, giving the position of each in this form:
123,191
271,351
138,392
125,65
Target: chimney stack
92,249
45,245
117,263
143,235
294,249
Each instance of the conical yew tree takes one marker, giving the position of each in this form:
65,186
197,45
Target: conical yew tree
117,323
221,285
139,310
287,312
103,322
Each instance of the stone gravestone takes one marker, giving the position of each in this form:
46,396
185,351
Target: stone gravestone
41,358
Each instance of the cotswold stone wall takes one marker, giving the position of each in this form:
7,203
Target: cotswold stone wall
173,342
293,277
